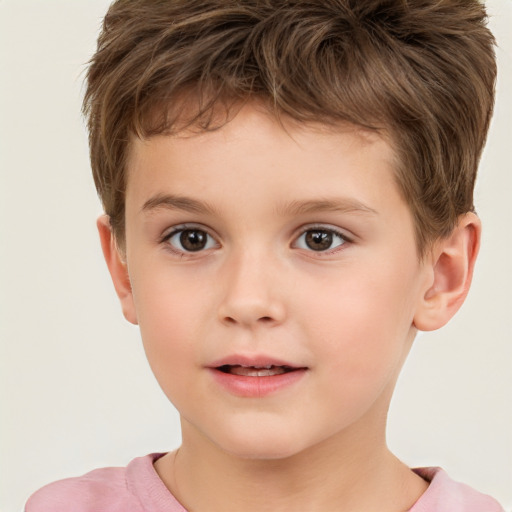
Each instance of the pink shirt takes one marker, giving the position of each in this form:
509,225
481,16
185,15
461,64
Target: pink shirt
138,488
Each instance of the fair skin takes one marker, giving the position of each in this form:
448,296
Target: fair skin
277,285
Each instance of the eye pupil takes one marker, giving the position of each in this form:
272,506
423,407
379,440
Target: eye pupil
318,240
193,239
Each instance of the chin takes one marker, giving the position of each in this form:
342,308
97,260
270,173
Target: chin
263,446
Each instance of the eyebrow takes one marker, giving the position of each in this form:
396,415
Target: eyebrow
173,202
343,205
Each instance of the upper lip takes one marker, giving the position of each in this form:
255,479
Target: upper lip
257,360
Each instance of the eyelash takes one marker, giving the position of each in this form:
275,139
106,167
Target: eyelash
183,252
177,230
325,229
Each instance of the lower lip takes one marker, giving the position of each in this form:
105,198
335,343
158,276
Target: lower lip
257,387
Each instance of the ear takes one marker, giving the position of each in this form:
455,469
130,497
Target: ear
452,263
117,268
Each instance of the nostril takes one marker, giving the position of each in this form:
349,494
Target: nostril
263,319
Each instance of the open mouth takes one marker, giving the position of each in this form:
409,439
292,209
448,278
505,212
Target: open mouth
257,376
255,371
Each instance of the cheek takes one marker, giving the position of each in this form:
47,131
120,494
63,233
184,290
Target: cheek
167,300
168,310
362,321
361,341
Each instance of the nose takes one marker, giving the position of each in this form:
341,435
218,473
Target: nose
253,294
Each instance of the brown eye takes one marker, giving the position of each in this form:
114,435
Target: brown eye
191,240
320,240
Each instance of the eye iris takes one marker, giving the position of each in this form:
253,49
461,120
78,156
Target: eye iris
193,239
318,240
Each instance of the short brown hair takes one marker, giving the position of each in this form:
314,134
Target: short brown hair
422,71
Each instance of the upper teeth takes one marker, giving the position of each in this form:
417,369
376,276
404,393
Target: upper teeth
256,371
267,367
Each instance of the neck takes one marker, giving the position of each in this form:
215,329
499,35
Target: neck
332,475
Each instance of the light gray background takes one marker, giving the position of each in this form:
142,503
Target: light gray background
76,391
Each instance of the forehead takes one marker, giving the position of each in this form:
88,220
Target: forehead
254,122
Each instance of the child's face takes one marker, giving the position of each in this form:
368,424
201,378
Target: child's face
256,246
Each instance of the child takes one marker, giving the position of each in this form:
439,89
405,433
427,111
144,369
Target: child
288,197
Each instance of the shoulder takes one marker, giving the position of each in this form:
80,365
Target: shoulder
101,489
447,495
106,489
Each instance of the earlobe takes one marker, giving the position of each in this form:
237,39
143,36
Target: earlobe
117,268
452,264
